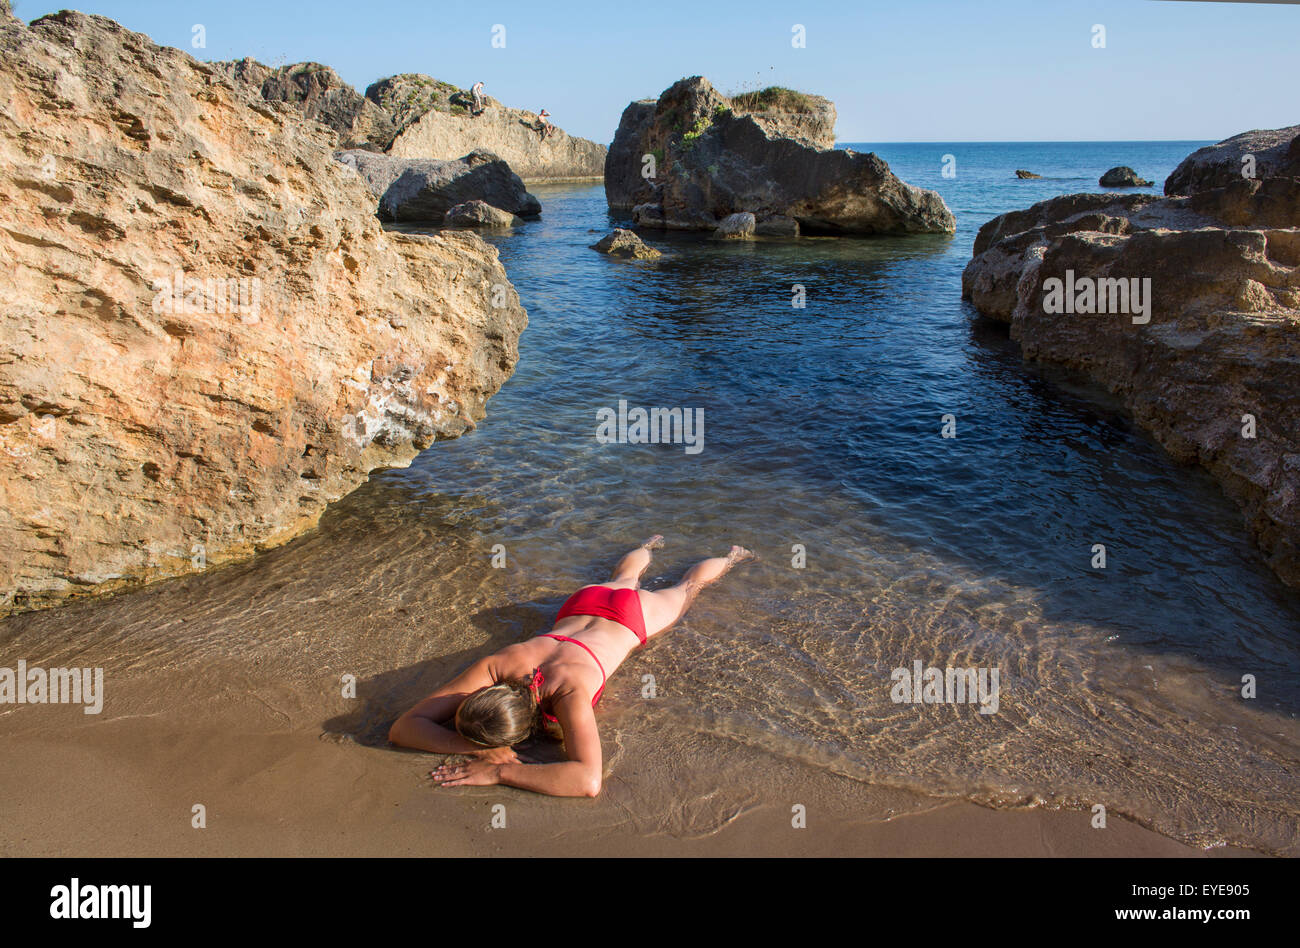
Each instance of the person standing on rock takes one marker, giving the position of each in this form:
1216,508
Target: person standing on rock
476,91
547,684
544,121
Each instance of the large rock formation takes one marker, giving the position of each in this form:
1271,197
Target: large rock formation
416,116
693,157
206,335
1208,356
319,93
1264,153
446,129
424,191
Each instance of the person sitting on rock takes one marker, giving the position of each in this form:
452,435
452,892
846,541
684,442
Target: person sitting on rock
544,124
476,91
548,683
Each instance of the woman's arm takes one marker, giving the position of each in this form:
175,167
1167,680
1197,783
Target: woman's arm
419,727
579,776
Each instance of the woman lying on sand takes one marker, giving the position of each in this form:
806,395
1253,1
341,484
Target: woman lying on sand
552,679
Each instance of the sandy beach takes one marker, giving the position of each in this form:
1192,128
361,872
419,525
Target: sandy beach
275,784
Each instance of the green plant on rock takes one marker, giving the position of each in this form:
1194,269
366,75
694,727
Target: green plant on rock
773,98
691,137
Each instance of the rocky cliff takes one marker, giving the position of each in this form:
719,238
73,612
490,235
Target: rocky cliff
207,337
319,93
417,116
445,129
1187,307
1268,153
694,157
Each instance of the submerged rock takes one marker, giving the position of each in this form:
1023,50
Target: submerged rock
624,243
416,190
205,335
1026,174
480,214
712,158
1123,177
1186,307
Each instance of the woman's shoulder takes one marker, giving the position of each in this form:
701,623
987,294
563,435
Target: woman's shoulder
517,660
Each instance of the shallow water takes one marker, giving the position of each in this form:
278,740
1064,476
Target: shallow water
822,433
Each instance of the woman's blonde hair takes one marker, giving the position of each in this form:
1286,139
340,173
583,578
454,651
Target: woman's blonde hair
499,715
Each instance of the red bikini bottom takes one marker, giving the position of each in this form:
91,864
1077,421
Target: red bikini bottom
621,605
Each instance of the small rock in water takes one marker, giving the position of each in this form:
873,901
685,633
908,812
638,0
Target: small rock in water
624,243
736,227
1123,177
1020,173
480,214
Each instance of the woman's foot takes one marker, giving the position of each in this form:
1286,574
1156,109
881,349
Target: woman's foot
739,555
656,542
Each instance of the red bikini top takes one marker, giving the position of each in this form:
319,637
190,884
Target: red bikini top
539,679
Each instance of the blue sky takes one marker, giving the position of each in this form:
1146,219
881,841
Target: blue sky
924,70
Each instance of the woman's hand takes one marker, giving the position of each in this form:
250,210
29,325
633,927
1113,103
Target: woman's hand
475,773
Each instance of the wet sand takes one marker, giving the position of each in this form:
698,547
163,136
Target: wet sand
287,770
127,788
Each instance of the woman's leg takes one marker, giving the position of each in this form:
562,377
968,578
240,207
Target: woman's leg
664,607
632,567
